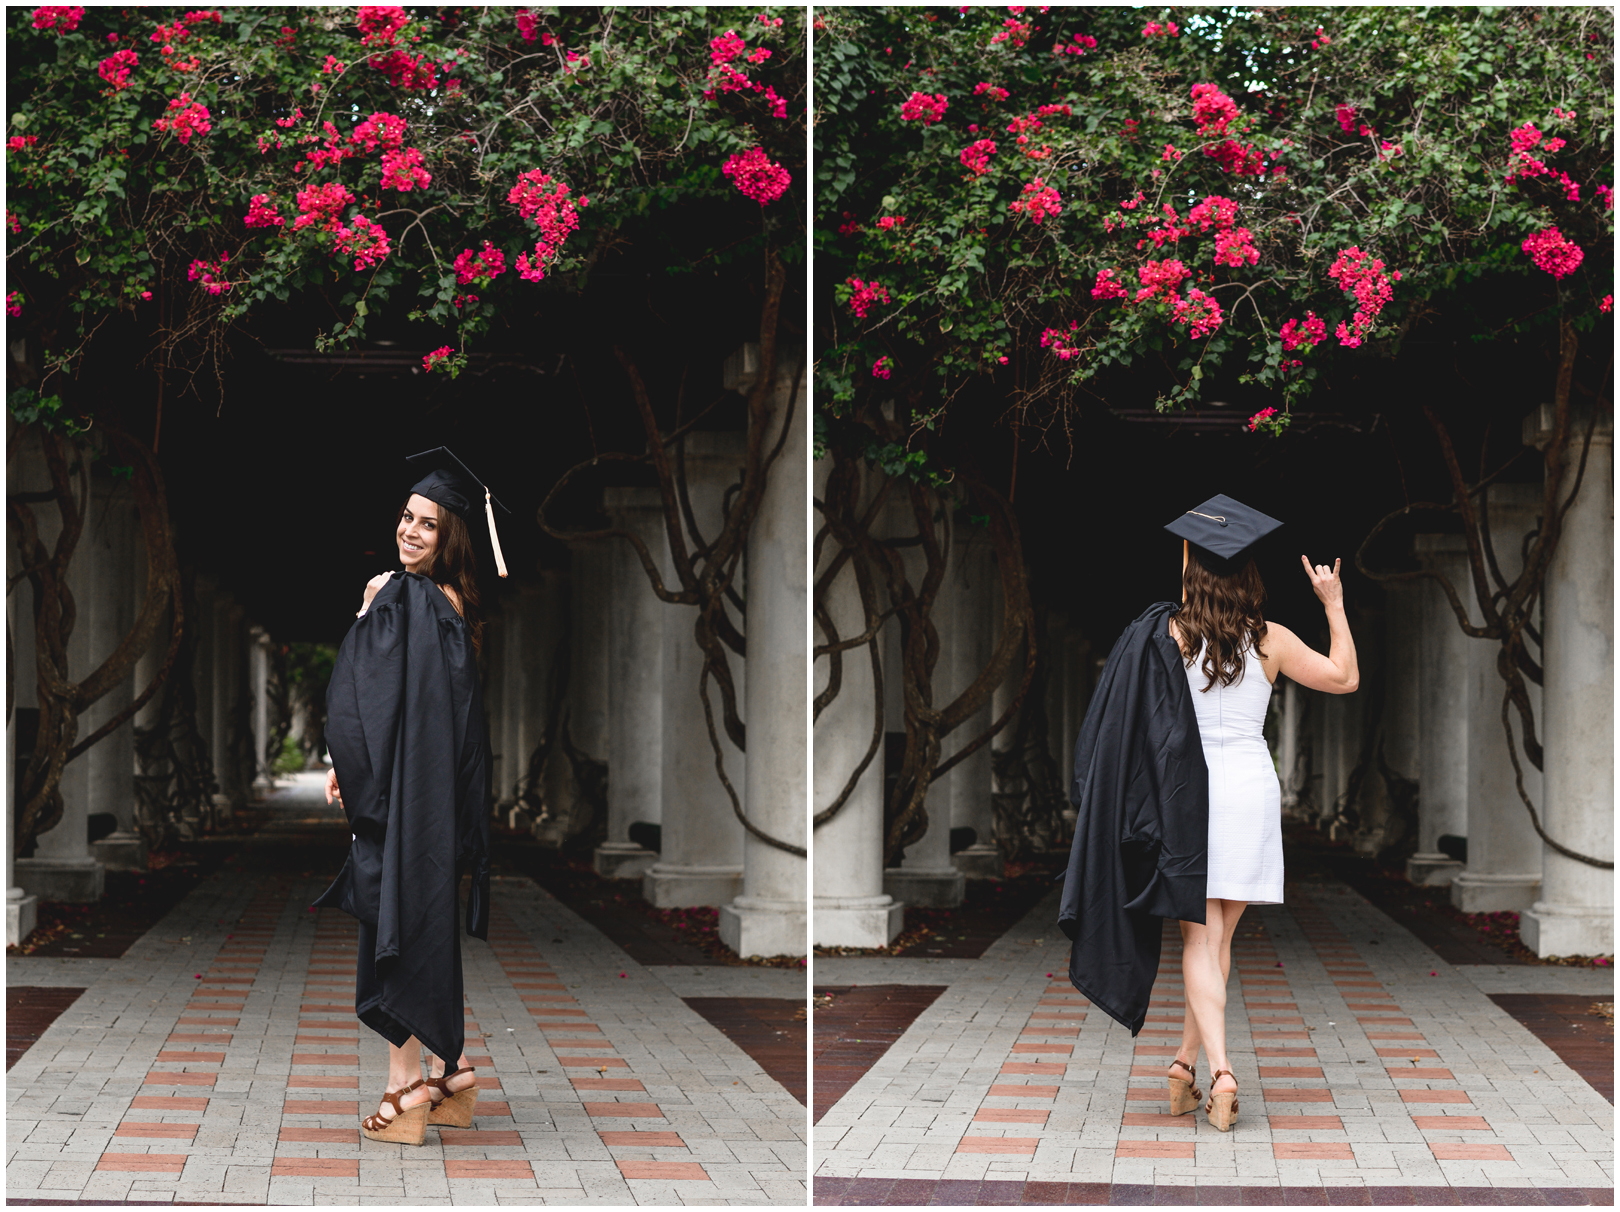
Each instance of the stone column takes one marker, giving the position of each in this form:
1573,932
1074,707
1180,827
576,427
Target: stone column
1504,853
1288,754
62,867
1575,915
702,858
635,644
976,585
1403,647
851,908
926,876
1443,703
1334,773
259,688
206,623
771,917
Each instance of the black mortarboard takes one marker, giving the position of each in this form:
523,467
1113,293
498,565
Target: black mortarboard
1224,532
450,483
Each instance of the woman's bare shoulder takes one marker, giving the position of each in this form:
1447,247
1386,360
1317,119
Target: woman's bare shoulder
455,598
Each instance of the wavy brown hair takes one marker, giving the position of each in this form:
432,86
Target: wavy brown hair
455,563
1225,612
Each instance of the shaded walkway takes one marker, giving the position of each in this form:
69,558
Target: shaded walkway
1370,1070
219,1061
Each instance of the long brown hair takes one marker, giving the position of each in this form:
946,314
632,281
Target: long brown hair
455,563
1225,612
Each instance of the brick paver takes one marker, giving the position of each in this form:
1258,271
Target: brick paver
1364,1062
219,1061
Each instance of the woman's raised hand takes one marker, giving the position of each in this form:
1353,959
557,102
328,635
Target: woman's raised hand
1325,581
372,586
332,791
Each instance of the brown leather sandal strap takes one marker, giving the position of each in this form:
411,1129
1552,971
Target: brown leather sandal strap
1192,1069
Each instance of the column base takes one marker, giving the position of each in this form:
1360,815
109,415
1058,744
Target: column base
121,851
1433,870
623,860
857,921
1567,929
925,888
76,880
760,926
685,886
1484,892
980,861
22,915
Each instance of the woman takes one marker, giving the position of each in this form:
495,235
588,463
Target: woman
1233,657
406,733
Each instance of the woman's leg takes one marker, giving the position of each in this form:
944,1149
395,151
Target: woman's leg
404,1067
436,1068
1206,988
1187,1054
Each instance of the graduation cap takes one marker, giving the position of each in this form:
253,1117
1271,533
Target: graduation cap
1224,533
447,481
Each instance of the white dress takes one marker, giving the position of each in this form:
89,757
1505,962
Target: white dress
1245,799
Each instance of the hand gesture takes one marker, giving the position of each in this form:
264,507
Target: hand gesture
372,586
1325,581
332,791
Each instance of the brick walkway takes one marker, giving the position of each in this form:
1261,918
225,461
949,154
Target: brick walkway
1369,1071
220,1061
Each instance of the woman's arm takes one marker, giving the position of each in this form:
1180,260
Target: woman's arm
1336,673
372,586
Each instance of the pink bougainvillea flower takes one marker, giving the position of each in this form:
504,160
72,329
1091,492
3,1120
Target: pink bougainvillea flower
924,108
977,155
115,68
261,213
1234,247
1362,275
1154,30
1553,253
364,240
184,118
410,72
402,170
209,275
865,296
13,223
436,357
381,23
1214,211
996,92
479,266
386,131
62,18
528,24
323,205
1037,201
14,303
1312,332
1161,275
1606,304
1106,287
1255,422
546,203
1200,312
882,367
1212,110
1057,340
333,64
756,177
19,143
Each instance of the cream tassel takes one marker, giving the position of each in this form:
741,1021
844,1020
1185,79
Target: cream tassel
494,539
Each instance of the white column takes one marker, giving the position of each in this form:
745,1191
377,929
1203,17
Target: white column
259,688
1504,853
851,908
926,876
976,584
1288,750
205,621
771,916
1575,915
702,858
1443,700
1403,639
635,653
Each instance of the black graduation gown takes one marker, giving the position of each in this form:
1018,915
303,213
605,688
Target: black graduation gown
405,726
1141,838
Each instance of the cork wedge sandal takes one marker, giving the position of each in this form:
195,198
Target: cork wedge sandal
1184,1093
453,1109
1222,1108
406,1126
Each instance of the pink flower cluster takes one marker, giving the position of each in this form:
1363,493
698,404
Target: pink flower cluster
379,23
1013,30
402,170
882,367
723,77
1523,165
322,205
976,156
364,240
1213,110
528,24
1607,194
1200,312
1362,275
441,354
1214,210
1106,287
1234,247
1170,153
1260,418
547,203
888,221
261,213
756,177
1037,201
1161,275
184,118
19,143
1168,233
1606,304
63,18
210,275
115,68
1056,340
1241,159
1312,332
13,223
997,93
1552,253
1154,30
472,266
1081,44
866,295
412,73
14,303
1346,116
921,106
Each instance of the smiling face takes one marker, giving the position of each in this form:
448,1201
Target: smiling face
418,533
